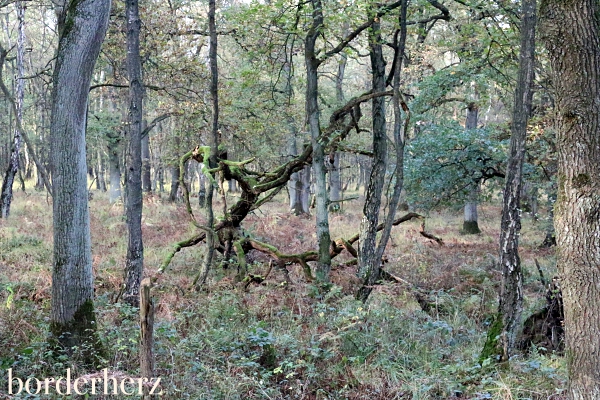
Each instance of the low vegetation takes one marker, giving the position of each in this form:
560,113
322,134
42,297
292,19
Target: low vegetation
417,338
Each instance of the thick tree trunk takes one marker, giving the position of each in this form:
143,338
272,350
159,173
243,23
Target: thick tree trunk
318,159
134,261
82,27
368,264
6,192
502,338
470,222
570,30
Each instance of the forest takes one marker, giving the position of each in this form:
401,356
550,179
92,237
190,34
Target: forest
300,199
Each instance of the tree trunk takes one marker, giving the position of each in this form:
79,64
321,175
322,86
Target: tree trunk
368,264
335,183
201,188
231,186
114,168
6,193
318,159
570,30
174,184
146,176
214,139
295,207
502,337
303,190
399,131
82,27
470,223
101,172
134,261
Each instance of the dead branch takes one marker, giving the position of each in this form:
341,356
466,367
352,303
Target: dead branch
428,235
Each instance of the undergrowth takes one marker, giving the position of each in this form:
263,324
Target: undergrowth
279,341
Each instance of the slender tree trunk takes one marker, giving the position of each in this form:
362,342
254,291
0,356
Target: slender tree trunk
82,27
214,138
303,189
318,159
134,261
146,175
114,170
368,264
201,188
101,172
502,337
471,223
6,193
399,132
571,32
295,207
335,183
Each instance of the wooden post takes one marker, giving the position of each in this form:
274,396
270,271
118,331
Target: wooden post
146,332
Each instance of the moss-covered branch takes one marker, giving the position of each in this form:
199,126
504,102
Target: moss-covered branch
300,258
194,240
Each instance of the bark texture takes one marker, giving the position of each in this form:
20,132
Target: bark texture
82,29
146,167
470,222
214,141
6,193
134,261
368,263
511,293
570,30
114,165
318,157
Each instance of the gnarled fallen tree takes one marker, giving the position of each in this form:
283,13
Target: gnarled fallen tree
259,187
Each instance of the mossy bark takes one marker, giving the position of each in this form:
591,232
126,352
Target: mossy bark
471,228
492,348
73,322
78,337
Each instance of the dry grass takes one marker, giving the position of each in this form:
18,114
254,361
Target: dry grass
208,331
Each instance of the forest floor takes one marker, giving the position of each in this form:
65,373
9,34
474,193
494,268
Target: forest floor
280,341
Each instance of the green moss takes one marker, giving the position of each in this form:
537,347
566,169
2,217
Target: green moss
78,338
492,349
471,228
69,21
